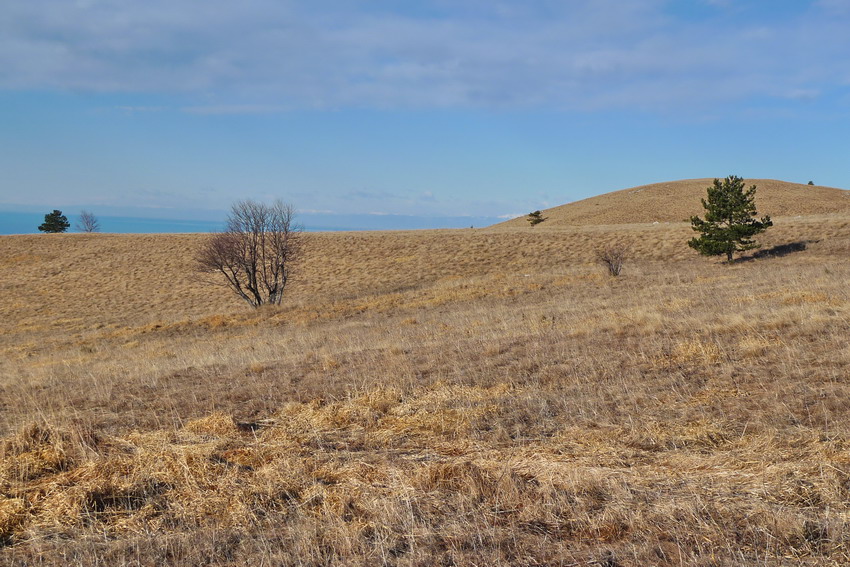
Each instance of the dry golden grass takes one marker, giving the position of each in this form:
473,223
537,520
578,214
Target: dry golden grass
676,201
474,397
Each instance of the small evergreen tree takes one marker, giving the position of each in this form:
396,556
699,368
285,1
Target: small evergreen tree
730,222
54,222
535,218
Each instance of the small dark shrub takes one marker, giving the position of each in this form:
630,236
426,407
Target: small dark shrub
612,257
535,218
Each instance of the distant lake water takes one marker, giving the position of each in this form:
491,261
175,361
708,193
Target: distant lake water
27,223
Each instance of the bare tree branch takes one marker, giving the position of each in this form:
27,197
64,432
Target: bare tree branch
612,257
256,252
88,222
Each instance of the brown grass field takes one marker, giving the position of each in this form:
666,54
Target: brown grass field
459,397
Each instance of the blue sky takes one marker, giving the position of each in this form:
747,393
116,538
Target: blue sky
432,108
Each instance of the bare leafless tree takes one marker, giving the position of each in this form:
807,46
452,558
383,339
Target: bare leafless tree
88,222
613,256
256,252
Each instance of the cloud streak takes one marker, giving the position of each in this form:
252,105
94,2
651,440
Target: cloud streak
267,55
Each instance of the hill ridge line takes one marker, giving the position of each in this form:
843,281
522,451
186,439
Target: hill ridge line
677,201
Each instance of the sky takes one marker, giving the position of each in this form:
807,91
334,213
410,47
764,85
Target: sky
434,108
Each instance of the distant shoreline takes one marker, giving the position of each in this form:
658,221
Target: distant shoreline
12,222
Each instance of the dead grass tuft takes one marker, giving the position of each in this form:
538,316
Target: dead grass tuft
216,424
696,351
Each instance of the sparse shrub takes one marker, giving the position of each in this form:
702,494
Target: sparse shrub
535,218
811,182
256,252
612,257
54,222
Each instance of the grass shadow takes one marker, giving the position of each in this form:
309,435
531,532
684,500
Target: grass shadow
778,251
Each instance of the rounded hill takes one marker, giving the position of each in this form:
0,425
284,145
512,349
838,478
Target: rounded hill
677,201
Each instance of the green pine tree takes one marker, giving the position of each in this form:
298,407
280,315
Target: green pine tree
535,218
730,222
54,222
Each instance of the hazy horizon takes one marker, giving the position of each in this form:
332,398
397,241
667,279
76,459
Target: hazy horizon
27,222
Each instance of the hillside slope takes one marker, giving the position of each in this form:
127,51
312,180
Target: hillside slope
675,201
460,397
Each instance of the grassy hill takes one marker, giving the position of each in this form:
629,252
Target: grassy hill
459,397
676,201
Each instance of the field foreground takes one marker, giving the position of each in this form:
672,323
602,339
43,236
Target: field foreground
480,397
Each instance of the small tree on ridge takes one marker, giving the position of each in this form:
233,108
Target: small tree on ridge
54,222
535,218
88,222
730,222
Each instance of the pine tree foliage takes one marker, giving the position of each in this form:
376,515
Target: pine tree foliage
730,220
535,218
54,222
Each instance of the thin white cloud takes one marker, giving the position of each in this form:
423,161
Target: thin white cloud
803,94
835,6
235,109
263,56
369,195
139,109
